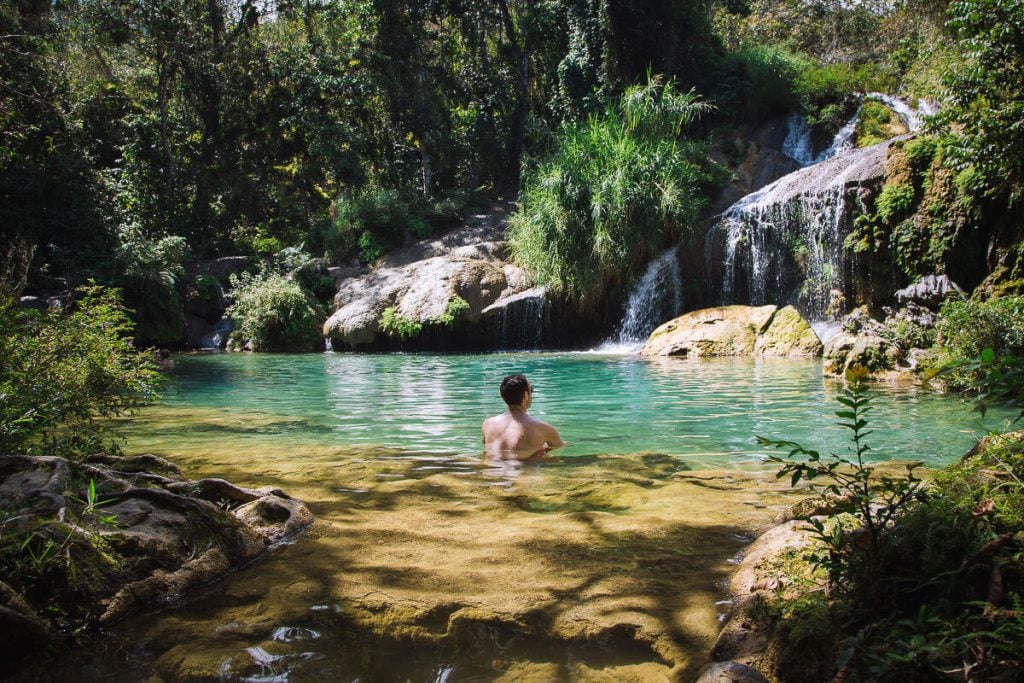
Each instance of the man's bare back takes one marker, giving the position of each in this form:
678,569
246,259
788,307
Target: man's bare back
515,435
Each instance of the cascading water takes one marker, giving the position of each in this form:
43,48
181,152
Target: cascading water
784,243
799,145
219,337
657,297
913,118
521,323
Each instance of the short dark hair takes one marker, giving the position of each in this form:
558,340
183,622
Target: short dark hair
514,388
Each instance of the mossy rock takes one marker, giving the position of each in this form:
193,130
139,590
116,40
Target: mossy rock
788,334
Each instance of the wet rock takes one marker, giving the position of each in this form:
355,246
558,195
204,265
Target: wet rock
930,291
910,313
21,629
422,280
730,672
275,518
735,331
875,353
421,292
37,303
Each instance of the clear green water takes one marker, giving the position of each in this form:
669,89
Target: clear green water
705,412
385,450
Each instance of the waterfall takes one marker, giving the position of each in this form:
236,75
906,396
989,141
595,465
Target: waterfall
521,319
913,118
784,243
799,145
219,336
657,297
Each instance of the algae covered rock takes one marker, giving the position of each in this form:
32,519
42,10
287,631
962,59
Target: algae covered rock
875,353
722,331
735,331
788,334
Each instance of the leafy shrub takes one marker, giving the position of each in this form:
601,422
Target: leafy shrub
273,313
909,334
934,583
620,188
207,287
150,271
921,152
453,312
311,274
873,123
967,326
375,220
851,484
894,201
65,373
758,82
394,325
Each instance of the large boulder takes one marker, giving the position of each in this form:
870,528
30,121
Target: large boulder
422,292
788,334
929,292
130,533
735,331
424,281
870,351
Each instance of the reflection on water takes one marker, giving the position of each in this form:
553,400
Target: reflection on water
706,412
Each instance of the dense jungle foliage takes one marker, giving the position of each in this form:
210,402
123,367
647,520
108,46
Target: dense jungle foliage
140,137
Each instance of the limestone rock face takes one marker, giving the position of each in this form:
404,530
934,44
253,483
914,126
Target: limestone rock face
730,672
930,291
420,291
871,351
735,331
421,280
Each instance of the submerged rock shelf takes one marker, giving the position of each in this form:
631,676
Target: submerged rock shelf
604,566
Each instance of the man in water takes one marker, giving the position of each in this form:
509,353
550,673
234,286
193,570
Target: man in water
516,435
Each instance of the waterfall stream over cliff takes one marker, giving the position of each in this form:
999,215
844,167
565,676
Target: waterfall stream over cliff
657,297
784,243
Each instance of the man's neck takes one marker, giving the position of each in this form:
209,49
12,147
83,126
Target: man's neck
516,409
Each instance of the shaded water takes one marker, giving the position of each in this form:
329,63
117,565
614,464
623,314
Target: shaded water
428,564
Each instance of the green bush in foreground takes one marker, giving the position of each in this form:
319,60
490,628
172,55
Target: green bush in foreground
274,313
620,188
910,587
64,374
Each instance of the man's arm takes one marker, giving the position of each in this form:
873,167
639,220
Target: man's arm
552,437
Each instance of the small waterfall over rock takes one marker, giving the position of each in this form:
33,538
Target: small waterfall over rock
912,117
799,144
219,336
657,297
784,243
520,319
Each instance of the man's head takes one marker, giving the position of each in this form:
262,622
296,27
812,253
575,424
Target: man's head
514,389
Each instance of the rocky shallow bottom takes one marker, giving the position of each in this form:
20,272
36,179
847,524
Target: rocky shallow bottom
446,568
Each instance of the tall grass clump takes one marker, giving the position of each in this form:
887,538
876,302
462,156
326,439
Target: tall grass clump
620,187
